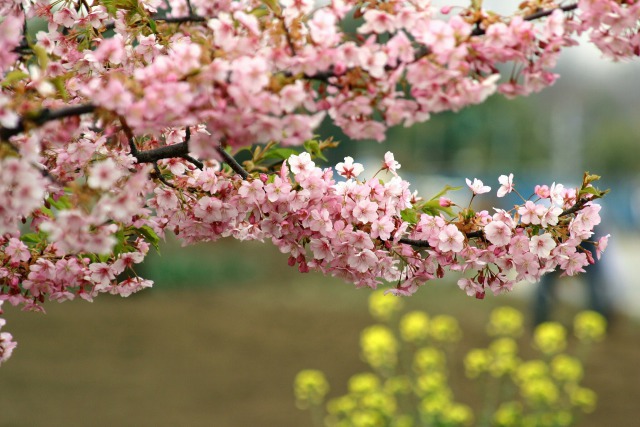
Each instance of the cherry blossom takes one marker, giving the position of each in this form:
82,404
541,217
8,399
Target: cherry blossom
506,185
120,124
477,186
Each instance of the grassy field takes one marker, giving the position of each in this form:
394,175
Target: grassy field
223,348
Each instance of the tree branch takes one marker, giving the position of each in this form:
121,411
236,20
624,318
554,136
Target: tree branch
228,159
45,116
477,31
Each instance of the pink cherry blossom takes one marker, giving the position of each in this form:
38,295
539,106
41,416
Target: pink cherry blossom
498,233
451,239
477,186
348,169
506,185
542,245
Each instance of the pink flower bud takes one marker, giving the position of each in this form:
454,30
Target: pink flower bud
303,267
542,191
445,202
291,261
445,10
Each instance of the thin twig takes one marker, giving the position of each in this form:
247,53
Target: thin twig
477,31
233,164
45,116
159,175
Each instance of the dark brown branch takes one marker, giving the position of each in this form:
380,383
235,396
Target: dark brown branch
477,31
418,243
159,175
425,244
45,116
233,164
575,208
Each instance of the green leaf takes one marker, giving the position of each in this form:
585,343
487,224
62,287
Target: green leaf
273,5
152,25
279,153
410,216
313,147
433,207
592,190
61,204
150,235
31,238
41,54
444,191
12,77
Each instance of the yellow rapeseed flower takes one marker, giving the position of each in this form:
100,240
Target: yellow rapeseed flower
503,356
457,414
540,391
589,326
566,368
505,322
509,414
414,326
310,387
379,347
445,328
429,359
550,337
431,383
583,398
476,362
382,307
531,370
400,384
364,383
382,402
342,405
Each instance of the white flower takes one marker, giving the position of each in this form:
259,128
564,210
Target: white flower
477,186
506,185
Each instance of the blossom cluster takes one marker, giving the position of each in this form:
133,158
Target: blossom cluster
259,71
110,89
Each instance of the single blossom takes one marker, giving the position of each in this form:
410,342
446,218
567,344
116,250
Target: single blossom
477,186
506,185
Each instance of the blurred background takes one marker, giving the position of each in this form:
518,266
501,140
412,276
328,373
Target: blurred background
220,337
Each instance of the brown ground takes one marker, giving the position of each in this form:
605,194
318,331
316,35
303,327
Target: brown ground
226,355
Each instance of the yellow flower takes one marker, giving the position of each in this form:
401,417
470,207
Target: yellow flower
509,414
584,398
366,419
445,329
503,355
379,346
457,414
432,383
414,326
540,391
550,337
505,321
342,405
398,385
428,359
310,387
381,402
589,326
476,362
382,307
364,383
531,370
566,368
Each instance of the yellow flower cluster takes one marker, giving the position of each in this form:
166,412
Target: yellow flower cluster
590,326
416,392
383,307
379,347
310,388
550,338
